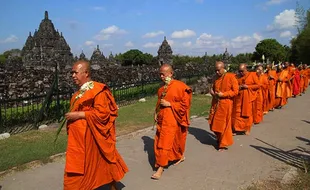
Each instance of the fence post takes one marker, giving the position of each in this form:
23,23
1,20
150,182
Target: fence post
58,114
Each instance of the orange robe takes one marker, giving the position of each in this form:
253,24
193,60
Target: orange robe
307,74
91,158
283,90
260,104
302,80
291,74
221,109
242,117
172,123
272,79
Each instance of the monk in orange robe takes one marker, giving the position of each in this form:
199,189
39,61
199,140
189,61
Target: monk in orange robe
283,90
242,117
172,117
260,104
307,76
302,79
272,79
296,83
224,89
91,158
290,68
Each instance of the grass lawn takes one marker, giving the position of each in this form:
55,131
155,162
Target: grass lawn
38,145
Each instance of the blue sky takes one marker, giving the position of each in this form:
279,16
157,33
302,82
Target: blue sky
192,27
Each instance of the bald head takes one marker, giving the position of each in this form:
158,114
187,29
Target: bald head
219,68
259,70
165,71
81,72
242,69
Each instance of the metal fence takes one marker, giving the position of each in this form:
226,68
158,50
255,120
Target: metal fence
23,114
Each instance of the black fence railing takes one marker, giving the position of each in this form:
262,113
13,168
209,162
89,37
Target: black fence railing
23,114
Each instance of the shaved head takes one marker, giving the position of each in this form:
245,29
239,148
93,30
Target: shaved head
219,68
259,69
165,71
242,69
81,72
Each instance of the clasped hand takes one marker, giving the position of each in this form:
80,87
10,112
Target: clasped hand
72,116
243,86
164,103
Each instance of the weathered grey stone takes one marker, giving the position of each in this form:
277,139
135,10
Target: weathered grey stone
165,53
4,136
42,127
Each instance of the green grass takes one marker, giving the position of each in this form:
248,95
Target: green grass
38,145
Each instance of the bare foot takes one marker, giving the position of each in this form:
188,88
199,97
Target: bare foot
222,149
181,160
247,133
158,173
113,186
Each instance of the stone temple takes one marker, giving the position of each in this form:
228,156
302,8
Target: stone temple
46,47
165,53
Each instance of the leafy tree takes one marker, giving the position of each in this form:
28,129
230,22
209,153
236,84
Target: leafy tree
2,59
135,57
271,49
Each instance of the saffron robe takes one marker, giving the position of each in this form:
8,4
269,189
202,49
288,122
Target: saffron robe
221,108
296,83
272,79
283,90
260,102
172,123
91,158
302,80
242,117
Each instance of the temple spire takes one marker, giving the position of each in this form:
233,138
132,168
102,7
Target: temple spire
46,15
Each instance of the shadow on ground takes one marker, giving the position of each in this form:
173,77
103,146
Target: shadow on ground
203,136
295,157
119,185
149,149
306,121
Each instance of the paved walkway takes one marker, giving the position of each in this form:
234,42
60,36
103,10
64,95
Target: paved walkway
267,153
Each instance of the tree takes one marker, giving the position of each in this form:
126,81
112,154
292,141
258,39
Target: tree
135,57
2,59
271,49
300,45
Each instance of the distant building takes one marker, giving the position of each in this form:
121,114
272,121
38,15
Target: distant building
46,47
165,53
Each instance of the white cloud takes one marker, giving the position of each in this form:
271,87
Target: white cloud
106,33
285,20
11,39
170,42
153,34
89,43
151,45
183,34
209,41
129,44
187,44
98,8
275,2
257,37
285,34
241,39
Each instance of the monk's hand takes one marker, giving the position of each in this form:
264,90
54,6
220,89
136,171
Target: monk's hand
72,116
155,117
219,94
165,103
212,92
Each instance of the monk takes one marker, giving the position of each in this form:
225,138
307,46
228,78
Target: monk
307,75
242,117
290,68
91,158
296,83
283,90
302,79
272,78
260,104
224,89
172,118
